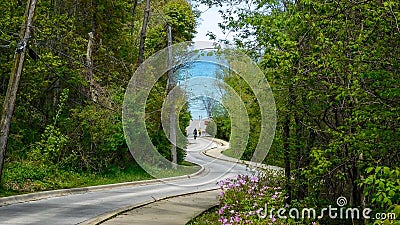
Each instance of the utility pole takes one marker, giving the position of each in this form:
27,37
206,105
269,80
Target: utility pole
15,77
185,83
135,3
143,32
171,85
89,67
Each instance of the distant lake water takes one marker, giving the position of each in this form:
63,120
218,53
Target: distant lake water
199,69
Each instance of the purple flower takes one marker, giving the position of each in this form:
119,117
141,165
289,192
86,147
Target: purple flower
259,210
221,211
254,179
275,195
237,219
264,188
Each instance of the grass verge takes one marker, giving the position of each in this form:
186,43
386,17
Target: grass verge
25,177
205,218
271,159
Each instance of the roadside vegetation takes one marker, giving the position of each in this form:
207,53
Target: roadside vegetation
333,67
66,130
24,177
261,199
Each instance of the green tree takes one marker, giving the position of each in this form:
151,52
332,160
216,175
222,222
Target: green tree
88,135
333,67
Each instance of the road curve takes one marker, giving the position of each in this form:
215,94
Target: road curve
78,208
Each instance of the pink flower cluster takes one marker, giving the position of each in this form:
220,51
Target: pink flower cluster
244,197
241,198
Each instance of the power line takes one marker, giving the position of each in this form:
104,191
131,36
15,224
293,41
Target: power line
162,16
85,65
7,41
41,43
73,86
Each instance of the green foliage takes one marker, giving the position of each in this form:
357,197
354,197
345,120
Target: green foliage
182,18
391,216
27,176
101,131
243,197
382,186
222,121
211,128
249,200
52,142
333,67
80,131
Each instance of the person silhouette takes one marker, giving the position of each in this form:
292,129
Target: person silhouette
195,133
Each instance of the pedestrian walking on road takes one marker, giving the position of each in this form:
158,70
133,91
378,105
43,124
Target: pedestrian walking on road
199,132
195,133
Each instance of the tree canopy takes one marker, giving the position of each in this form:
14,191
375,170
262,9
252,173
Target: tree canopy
334,70
68,112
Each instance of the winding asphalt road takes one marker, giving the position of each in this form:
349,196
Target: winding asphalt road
78,208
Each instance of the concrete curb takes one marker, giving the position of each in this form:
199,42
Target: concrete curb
109,215
62,192
234,160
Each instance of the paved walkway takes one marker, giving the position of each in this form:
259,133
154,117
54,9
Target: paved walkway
175,210
172,211
217,153
180,210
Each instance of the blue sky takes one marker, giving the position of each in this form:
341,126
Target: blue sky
208,21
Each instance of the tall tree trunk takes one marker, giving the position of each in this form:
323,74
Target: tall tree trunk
143,32
56,95
170,86
286,143
89,67
286,148
11,95
302,158
135,3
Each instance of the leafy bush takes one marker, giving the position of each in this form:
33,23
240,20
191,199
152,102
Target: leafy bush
247,199
211,128
49,148
382,186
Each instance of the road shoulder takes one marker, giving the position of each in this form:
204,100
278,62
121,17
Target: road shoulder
171,211
62,192
174,209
